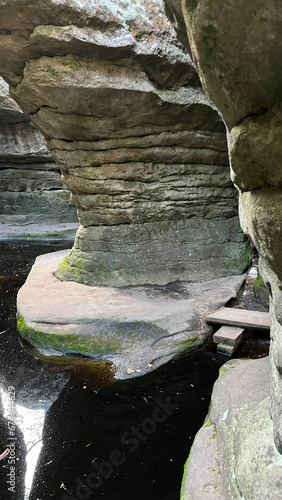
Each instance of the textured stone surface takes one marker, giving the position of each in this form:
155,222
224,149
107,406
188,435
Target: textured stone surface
202,482
135,328
10,112
160,253
237,48
31,189
260,213
238,436
139,144
256,151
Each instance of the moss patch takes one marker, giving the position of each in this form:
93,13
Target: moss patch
70,342
258,282
208,422
192,342
69,233
226,367
66,271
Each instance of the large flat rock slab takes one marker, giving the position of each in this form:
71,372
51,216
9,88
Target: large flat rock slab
242,461
136,328
40,231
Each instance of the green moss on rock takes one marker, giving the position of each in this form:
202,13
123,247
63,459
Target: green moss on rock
260,290
258,282
226,367
67,271
70,342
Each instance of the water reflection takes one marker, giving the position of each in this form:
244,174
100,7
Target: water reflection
94,438
127,440
36,386
13,467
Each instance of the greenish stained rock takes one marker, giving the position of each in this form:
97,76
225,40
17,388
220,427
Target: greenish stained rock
240,68
261,290
211,37
70,343
193,250
140,145
256,151
245,82
202,455
143,151
136,328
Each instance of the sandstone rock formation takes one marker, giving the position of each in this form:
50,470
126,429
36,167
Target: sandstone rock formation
234,455
143,151
31,189
237,50
136,328
139,144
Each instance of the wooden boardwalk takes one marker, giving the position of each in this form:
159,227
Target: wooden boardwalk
240,318
235,321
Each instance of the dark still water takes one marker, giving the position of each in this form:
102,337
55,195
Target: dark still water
74,434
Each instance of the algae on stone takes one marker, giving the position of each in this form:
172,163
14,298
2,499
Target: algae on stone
95,347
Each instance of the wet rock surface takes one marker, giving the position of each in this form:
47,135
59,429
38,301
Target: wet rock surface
135,328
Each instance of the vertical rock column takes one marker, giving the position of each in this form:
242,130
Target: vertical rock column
139,144
237,48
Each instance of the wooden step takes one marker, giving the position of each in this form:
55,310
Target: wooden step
240,318
226,349
229,335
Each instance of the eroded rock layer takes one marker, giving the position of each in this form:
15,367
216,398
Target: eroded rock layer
31,189
237,47
140,146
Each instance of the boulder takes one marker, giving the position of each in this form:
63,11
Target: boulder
234,455
136,329
140,146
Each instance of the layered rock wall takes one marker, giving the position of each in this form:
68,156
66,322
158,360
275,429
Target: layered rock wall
139,144
237,49
31,190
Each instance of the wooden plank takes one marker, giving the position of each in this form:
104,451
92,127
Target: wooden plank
240,317
228,335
